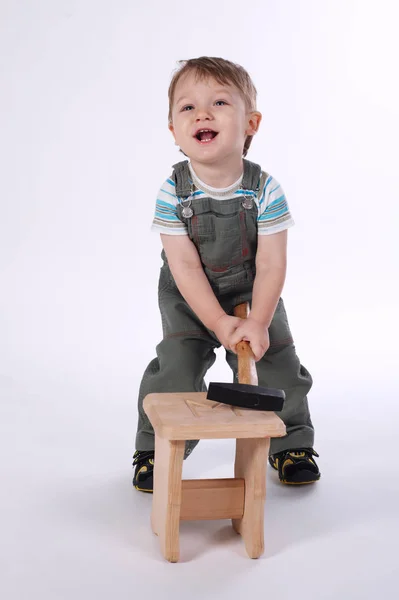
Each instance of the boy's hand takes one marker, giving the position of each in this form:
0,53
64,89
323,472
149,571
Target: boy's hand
224,328
255,333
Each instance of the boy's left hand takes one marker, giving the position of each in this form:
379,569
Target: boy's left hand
255,333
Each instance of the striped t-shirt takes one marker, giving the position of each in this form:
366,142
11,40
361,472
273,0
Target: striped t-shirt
273,211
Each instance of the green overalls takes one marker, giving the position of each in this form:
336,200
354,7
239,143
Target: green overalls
225,235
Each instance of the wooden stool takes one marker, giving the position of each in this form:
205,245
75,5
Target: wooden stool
190,416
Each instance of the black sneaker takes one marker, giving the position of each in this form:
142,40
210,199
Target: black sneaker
143,479
296,466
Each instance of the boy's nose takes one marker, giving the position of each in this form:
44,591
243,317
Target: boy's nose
203,115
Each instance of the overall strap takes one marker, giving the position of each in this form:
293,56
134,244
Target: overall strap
181,177
251,177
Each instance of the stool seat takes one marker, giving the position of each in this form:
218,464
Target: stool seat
177,417
190,416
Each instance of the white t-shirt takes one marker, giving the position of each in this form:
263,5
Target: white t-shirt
273,211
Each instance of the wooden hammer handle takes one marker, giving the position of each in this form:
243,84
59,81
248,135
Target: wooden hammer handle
246,361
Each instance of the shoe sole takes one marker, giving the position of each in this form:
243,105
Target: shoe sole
139,489
295,482
299,482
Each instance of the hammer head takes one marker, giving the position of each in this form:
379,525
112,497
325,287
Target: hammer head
247,396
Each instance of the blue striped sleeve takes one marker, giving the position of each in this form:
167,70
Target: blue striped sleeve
166,219
274,214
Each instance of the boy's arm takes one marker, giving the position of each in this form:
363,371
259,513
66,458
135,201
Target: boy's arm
188,273
268,284
271,257
271,265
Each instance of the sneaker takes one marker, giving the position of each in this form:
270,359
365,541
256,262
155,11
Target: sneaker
296,466
143,479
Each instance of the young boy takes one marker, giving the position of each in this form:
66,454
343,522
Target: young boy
223,224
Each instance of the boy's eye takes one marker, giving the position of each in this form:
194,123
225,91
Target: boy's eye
188,107
220,102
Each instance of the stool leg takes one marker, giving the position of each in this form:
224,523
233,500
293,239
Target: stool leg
165,516
250,465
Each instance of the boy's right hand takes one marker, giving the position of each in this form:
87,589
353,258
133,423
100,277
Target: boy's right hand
224,327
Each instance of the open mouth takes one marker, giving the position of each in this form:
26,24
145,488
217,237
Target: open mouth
205,135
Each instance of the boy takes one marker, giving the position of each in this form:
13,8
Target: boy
223,224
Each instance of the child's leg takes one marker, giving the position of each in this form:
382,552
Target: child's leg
183,357
280,368
180,366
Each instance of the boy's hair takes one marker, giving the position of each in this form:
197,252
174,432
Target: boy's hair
225,73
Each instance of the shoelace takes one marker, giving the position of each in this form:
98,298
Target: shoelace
301,453
142,456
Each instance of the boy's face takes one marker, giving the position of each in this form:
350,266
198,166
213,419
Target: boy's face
210,121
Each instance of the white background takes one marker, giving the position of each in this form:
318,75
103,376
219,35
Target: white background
84,148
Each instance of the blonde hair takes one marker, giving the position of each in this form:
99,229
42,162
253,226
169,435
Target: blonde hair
225,73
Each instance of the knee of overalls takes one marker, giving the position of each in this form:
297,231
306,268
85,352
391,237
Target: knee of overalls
185,357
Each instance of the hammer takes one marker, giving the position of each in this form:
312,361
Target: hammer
247,393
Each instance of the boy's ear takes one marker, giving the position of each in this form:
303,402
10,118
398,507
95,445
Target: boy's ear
254,119
172,129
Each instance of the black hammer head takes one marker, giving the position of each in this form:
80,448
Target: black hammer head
247,396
